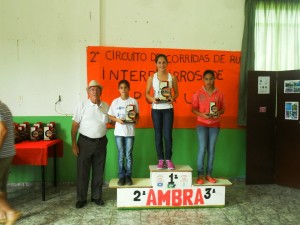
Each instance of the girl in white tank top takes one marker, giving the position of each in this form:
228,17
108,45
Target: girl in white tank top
155,84
162,114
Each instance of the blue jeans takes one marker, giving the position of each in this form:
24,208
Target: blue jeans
125,148
207,139
163,125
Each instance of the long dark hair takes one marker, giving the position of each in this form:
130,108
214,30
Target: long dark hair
161,55
124,82
209,72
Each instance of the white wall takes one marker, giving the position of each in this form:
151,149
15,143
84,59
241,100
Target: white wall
42,53
185,24
43,43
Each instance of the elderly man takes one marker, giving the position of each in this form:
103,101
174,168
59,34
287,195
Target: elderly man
90,120
7,151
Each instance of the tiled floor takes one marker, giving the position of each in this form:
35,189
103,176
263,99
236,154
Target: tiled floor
245,204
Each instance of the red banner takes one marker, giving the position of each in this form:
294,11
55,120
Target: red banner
109,65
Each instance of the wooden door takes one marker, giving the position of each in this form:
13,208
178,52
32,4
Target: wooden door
260,136
287,162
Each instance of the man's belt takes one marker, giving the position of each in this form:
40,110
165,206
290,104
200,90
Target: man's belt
90,139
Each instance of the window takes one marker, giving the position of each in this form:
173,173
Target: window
277,36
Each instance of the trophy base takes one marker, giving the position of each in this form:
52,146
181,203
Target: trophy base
163,101
128,121
212,114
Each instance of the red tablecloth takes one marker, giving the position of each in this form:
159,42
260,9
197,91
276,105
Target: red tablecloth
37,152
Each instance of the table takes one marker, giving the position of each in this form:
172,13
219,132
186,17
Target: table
36,153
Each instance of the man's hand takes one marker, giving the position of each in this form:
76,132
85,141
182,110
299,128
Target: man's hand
75,149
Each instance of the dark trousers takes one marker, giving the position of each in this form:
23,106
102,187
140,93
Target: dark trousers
92,155
4,172
163,125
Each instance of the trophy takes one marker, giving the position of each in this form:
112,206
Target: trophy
164,93
40,130
130,114
34,134
50,131
213,110
17,133
24,131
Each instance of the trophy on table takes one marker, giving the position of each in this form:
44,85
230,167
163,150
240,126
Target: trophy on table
164,93
130,114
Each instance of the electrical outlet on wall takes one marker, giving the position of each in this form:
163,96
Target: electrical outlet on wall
20,98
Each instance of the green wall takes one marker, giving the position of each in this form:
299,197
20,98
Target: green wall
230,159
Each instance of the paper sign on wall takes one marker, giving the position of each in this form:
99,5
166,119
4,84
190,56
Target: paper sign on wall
291,86
291,110
263,85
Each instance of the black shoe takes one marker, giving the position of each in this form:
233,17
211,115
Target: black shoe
121,181
97,201
80,204
128,180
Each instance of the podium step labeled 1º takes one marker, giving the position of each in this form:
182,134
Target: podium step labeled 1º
180,177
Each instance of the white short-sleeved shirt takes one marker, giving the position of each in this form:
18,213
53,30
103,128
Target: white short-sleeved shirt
118,109
155,84
92,118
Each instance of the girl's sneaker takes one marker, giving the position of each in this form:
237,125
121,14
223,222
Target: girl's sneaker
200,180
170,165
210,179
160,164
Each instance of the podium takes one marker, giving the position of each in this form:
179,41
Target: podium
170,189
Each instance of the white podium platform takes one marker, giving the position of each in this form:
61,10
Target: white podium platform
137,183
170,189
